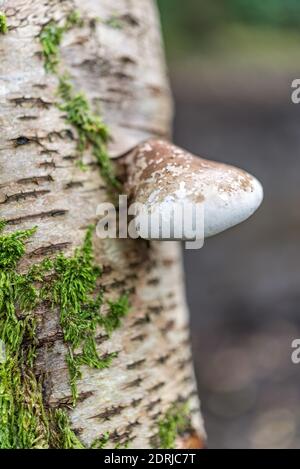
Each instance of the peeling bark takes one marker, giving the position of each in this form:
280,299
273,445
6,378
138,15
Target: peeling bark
121,71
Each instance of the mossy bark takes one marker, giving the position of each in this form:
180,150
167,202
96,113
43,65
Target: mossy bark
115,58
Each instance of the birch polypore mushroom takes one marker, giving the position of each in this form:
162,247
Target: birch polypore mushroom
162,175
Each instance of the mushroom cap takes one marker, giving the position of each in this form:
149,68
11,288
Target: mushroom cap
161,174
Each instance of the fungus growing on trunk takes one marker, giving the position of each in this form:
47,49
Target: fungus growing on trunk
161,176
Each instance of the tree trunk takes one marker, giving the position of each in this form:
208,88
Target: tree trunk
115,58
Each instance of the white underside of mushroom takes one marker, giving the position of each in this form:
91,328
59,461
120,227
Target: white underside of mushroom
225,210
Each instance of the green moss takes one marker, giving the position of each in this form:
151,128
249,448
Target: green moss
24,422
76,279
114,22
175,422
3,23
65,437
91,130
86,331
122,445
12,247
72,288
51,37
100,443
89,355
73,291
82,166
73,19
117,310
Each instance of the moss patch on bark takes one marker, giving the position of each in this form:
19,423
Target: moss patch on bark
23,423
3,23
74,291
174,423
51,37
24,420
92,132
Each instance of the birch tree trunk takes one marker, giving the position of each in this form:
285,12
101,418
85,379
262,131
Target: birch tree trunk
116,59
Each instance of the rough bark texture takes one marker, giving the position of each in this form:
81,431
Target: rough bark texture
121,71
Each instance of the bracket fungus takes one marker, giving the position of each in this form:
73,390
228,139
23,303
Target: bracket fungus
161,176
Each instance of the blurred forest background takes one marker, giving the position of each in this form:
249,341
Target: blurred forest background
231,66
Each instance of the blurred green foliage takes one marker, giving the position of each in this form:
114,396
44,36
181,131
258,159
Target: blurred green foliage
194,24
275,13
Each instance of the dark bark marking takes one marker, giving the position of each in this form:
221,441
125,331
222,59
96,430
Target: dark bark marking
106,269
162,359
47,164
134,384
44,250
136,402
185,362
24,195
155,309
186,379
153,281
138,338
117,437
50,339
132,425
34,216
23,140
31,102
36,179
168,326
108,413
130,19
27,118
101,338
70,157
72,184
153,404
156,387
116,284
140,321
137,364
172,306
82,396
